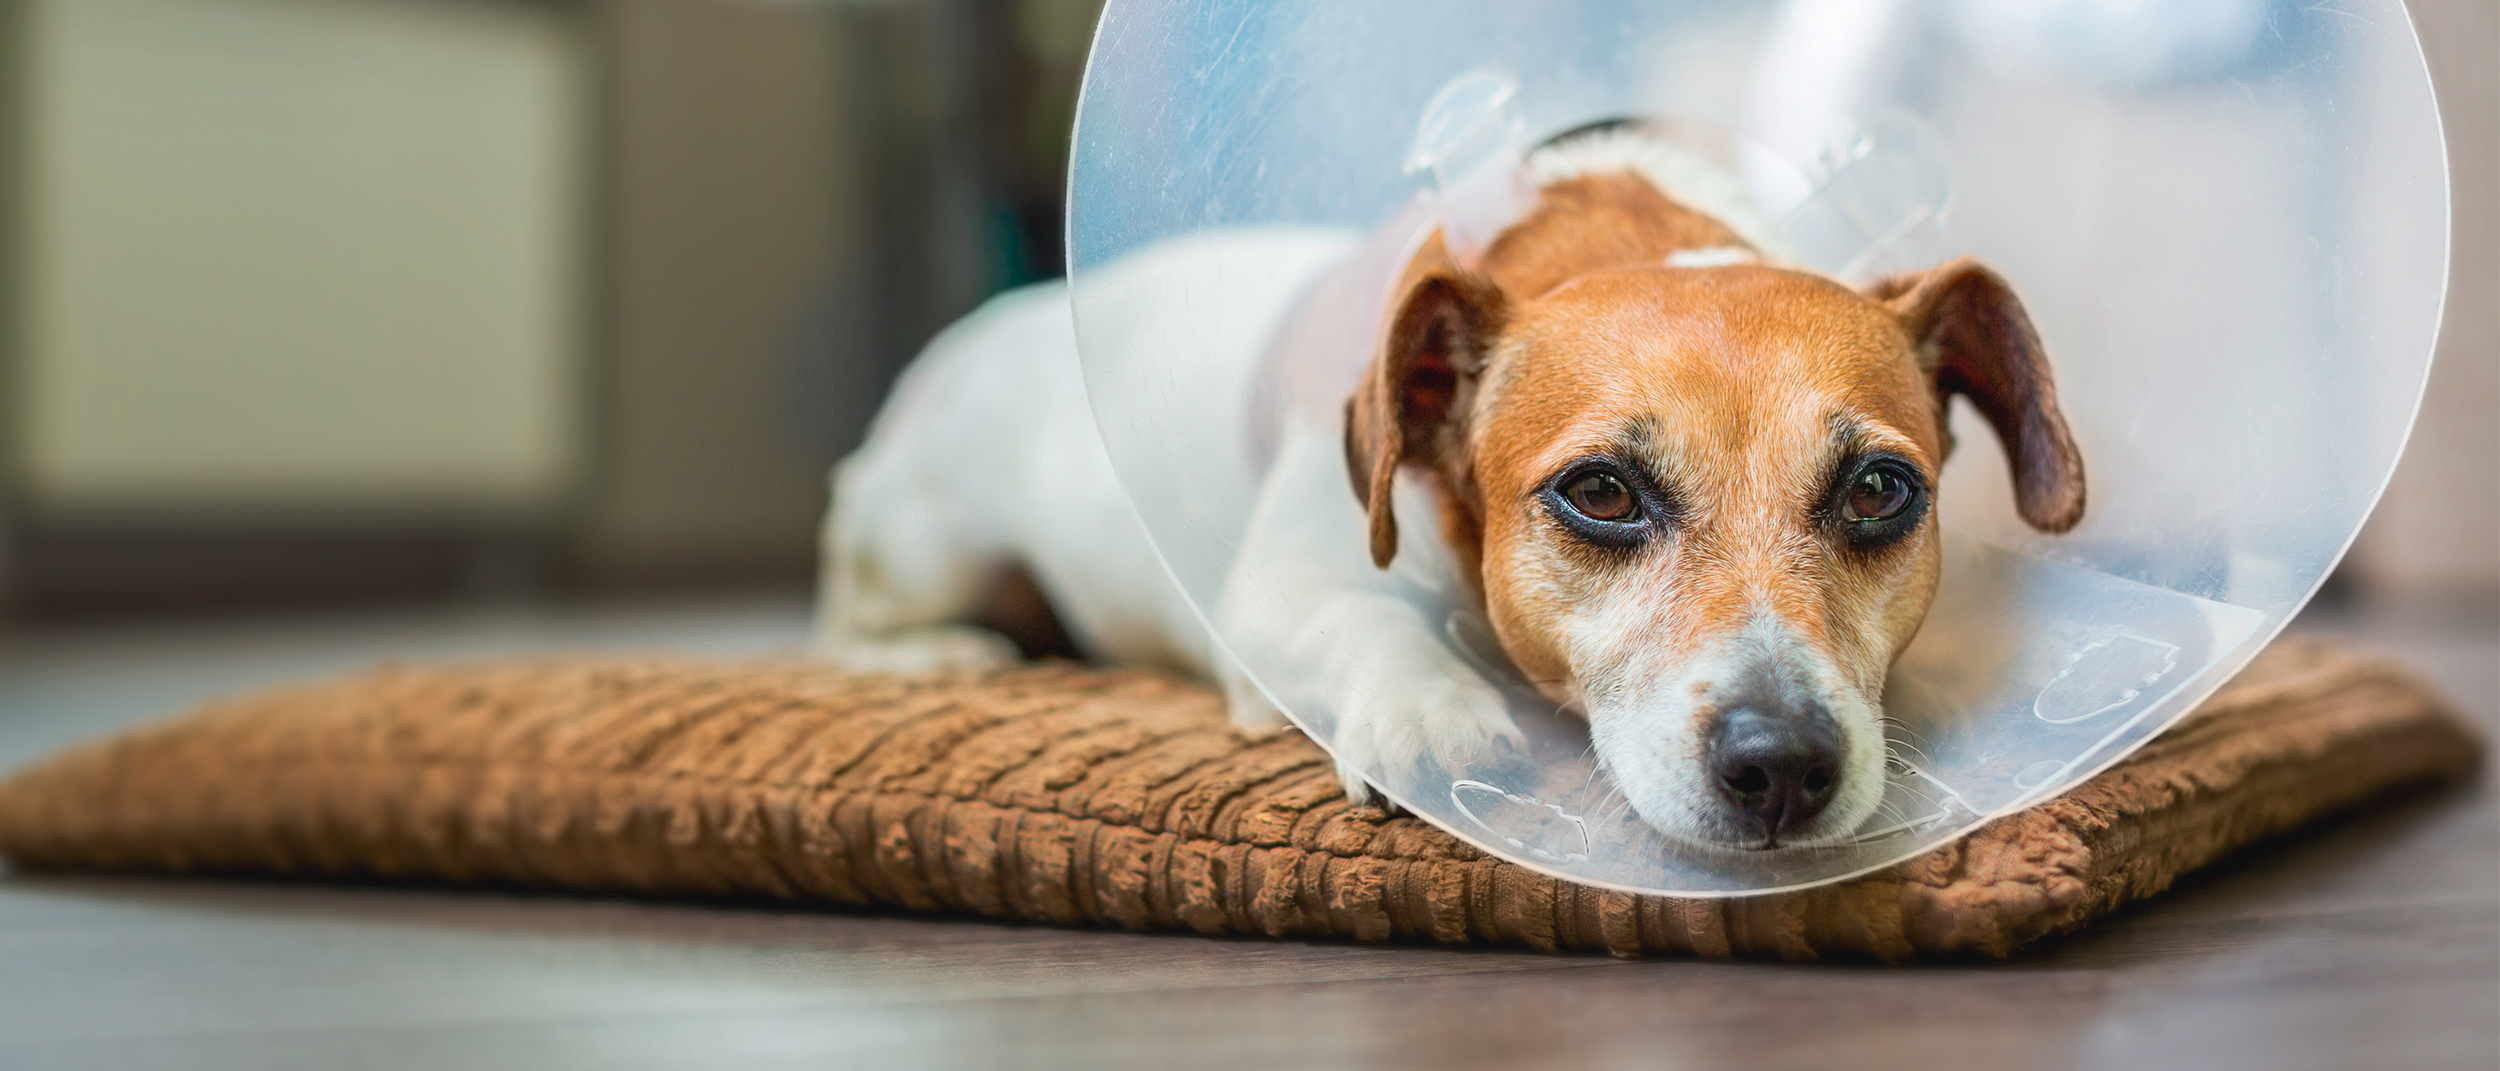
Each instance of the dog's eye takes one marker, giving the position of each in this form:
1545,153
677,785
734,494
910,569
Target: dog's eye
1606,504
1877,495
1600,496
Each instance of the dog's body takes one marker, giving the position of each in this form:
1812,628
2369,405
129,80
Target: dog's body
985,463
1689,490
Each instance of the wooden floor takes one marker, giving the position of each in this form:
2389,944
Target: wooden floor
2371,942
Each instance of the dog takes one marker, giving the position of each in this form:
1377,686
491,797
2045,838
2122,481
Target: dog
1689,488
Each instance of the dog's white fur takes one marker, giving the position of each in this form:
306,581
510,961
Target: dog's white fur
988,454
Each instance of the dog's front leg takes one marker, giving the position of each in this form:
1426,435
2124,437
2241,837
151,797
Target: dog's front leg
1360,652
1403,703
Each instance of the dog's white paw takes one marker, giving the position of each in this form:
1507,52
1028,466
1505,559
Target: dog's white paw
1359,790
961,647
1414,728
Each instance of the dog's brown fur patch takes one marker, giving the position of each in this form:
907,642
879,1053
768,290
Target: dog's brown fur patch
1590,222
1737,378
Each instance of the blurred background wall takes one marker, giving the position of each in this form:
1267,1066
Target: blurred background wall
349,301
343,302
2435,541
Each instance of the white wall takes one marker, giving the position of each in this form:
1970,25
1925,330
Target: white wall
301,255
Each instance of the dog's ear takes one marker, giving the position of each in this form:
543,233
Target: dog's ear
1409,404
1975,340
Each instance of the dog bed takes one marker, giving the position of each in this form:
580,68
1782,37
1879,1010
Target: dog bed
1062,794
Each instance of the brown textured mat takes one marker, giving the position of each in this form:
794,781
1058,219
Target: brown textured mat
1078,796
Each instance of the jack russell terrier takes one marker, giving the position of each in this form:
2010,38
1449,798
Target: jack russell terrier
1690,490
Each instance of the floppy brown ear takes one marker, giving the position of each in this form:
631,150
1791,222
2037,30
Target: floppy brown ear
1976,341
1410,401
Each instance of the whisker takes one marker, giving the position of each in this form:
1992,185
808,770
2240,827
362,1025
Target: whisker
1607,800
1893,749
1617,811
1901,731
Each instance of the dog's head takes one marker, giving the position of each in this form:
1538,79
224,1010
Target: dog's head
1699,504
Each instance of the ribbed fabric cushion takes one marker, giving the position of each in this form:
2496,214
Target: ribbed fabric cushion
1086,797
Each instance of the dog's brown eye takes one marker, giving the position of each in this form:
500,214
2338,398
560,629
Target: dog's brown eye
1877,496
1599,496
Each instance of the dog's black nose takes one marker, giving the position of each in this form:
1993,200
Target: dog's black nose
1776,769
